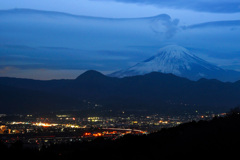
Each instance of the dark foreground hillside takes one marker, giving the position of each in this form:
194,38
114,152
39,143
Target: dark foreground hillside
218,138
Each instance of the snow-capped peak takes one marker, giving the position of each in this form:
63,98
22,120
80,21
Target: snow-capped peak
174,50
176,60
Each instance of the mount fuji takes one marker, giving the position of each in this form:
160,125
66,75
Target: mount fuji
181,62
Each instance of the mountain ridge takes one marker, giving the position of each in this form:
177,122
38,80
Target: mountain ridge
157,92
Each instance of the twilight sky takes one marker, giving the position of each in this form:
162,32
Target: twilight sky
51,47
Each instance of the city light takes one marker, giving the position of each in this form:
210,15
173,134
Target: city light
44,124
74,128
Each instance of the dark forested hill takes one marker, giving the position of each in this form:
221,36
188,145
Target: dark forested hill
154,91
18,100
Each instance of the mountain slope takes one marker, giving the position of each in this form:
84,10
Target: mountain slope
157,92
181,62
19,100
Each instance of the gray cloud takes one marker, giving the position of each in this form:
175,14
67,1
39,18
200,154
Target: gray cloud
165,25
233,23
215,6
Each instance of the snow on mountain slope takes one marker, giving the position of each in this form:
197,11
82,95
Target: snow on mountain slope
178,61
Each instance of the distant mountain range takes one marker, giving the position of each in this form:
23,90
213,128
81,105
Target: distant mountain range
157,92
181,62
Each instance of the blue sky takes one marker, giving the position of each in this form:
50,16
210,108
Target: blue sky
209,28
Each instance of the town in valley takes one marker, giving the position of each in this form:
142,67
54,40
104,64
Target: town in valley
36,130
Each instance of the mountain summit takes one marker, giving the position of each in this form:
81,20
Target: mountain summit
181,62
